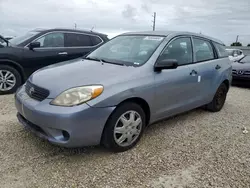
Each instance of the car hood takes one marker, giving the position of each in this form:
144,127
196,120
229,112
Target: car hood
62,76
242,66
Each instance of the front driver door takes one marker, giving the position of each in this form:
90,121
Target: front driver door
52,50
176,88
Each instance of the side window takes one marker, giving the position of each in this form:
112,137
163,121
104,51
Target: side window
179,49
77,40
51,40
203,50
95,40
221,50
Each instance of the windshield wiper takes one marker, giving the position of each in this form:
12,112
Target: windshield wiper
111,62
92,58
103,60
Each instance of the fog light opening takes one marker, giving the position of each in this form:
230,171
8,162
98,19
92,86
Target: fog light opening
65,135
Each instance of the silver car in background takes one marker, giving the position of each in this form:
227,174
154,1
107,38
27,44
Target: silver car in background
235,54
134,80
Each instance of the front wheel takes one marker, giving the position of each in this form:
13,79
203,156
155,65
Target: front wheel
124,128
10,79
219,99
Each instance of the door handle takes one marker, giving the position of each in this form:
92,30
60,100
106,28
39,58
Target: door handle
193,73
217,67
62,53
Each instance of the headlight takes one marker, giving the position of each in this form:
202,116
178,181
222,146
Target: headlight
78,95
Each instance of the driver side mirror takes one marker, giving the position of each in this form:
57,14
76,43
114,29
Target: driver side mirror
165,64
34,45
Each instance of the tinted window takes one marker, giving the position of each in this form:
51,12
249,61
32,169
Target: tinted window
129,50
203,50
96,40
221,50
52,40
179,49
77,40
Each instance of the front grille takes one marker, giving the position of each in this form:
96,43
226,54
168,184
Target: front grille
241,72
36,92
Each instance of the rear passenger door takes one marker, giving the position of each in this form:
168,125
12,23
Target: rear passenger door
80,44
208,68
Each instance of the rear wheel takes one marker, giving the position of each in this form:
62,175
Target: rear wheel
124,127
219,99
10,79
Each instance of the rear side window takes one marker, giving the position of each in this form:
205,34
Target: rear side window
221,50
77,40
203,50
95,40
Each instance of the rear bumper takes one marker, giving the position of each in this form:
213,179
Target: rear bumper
65,126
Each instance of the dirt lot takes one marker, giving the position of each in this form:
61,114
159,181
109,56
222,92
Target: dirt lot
196,149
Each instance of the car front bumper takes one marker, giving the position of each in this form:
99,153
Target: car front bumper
241,77
65,126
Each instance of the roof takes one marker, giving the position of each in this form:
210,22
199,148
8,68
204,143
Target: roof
67,29
166,33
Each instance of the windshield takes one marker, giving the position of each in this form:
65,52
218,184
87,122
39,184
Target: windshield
245,59
128,50
20,39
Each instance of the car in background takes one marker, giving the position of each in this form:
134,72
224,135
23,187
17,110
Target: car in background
23,55
241,70
235,54
131,81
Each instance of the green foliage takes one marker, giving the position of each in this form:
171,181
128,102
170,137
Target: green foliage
236,44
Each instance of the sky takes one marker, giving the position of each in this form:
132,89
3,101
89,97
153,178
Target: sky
221,19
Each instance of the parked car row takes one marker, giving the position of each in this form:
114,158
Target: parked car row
111,95
23,55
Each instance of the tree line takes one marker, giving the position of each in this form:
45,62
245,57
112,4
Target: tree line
238,44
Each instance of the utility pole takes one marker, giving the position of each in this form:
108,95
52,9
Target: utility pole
75,25
154,21
237,38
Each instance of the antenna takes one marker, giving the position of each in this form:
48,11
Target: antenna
154,21
92,28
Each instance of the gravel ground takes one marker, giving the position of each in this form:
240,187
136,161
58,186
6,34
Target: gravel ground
195,149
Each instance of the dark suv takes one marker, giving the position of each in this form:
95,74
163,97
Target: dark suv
21,56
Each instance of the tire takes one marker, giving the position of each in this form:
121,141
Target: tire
15,79
131,129
219,99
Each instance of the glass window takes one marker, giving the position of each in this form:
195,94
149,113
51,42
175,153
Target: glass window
96,40
246,59
77,40
203,50
51,40
131,50
20,39
221,50
179,49
239,52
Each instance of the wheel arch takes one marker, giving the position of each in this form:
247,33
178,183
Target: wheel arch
142,103
227,83
14,65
